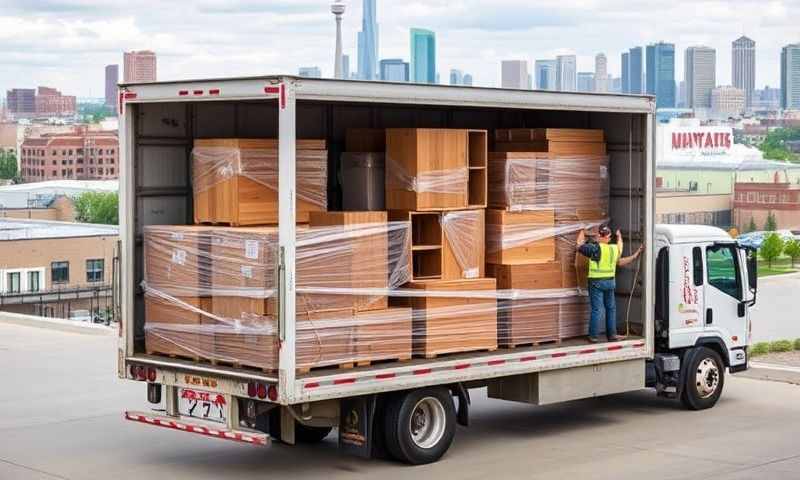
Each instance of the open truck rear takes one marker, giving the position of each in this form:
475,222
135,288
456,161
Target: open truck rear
160,124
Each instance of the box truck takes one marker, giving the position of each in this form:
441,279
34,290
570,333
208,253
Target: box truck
685,306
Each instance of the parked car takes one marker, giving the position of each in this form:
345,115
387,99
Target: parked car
80,316
754,239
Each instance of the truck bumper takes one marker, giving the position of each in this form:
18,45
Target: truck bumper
200,428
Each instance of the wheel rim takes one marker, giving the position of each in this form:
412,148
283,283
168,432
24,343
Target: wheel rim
427,422
707,378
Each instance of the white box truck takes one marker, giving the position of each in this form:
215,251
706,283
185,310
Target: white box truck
687,307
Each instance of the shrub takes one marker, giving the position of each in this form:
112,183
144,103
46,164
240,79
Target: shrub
797,344
758,349
781,346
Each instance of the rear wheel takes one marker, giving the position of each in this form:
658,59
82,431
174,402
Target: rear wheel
705,378
420,425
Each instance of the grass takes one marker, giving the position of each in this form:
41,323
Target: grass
778,346
780,266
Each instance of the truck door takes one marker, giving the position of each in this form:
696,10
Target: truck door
686,292
725,313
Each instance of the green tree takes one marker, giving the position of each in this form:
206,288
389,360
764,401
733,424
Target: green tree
770,225
771,248
751,227
97,207
792,248
8,165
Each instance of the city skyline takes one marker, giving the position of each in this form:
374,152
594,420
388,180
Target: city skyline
470,37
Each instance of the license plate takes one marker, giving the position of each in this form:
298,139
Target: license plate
203,405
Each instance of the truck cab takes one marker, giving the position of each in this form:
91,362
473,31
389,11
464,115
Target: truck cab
705,287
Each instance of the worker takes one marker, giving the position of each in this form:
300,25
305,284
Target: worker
604,258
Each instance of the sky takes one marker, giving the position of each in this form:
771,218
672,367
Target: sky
67,43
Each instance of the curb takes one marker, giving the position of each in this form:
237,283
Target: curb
57,324
772,372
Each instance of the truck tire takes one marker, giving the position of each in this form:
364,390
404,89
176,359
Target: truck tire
705,378
420,425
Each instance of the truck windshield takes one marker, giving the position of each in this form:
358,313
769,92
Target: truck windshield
723,271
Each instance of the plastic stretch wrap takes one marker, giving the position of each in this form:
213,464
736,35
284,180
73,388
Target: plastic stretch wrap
214,165
531,181
210,295
451,181
464,233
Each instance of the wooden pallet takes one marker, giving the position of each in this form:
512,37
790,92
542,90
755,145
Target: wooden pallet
369,363
434,355
535,343
177,356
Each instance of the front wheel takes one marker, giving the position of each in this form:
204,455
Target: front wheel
420,425
705,377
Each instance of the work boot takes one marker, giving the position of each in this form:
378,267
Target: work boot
593,339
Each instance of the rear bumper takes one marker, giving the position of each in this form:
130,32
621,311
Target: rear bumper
200,428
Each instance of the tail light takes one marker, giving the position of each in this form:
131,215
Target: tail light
251,389
151,374
272,393
141,374
133,372
262,391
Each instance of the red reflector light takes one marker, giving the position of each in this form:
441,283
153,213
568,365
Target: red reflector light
183,93
141,374
262,391
129,95
198,92
251,389
272,393
214,91
151,374
133,372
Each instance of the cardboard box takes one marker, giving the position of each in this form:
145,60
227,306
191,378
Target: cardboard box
177,259
235,181
514,238
563,141
574,317
245,332
527,321
325,338
174,326
435,169
383,335
244,261
518,181
461,323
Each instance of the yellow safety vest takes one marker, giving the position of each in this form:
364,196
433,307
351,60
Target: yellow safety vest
607,266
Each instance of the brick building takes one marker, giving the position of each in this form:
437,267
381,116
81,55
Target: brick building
51,103
81,154
757,200
139,66
54,268
21,102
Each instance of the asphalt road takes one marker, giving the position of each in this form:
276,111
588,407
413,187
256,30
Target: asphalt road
775,314
61,417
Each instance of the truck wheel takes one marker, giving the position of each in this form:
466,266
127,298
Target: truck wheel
420,425
705,377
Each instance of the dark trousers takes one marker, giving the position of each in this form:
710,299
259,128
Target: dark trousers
601,296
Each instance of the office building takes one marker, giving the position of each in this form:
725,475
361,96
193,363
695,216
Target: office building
545,75
139,66
368,42
681,97
51,103
615,84
727,102
81,154
346,67
467,80
743,67
790,77
585,82
700,75
394,70
566,73
635,71
625,73
21,102
514,74
600,73
456,77
423,56
310,72
767,99
661,74
112,79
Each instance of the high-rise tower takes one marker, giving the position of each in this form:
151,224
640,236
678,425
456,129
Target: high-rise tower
337,9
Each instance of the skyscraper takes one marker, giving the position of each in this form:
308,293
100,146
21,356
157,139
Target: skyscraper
310,72
790,77
585,82
346,67
467,80
566,73
625,72
744,67
139,66
368,42
423,56
394,70
112,79
661,73
700,73
337,9
600,73
514,74
635,70
456,77
545,75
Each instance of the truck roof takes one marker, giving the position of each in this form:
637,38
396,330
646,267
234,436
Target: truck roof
692,233
335,90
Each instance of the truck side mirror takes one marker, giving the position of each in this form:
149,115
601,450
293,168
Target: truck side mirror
752,269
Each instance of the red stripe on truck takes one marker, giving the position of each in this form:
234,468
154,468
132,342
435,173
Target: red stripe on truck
342,381
495,362
422,371
384,376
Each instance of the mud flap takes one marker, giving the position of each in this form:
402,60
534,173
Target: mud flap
356,426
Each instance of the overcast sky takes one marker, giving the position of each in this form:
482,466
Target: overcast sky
66,43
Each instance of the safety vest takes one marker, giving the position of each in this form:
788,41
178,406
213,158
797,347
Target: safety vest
607,266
